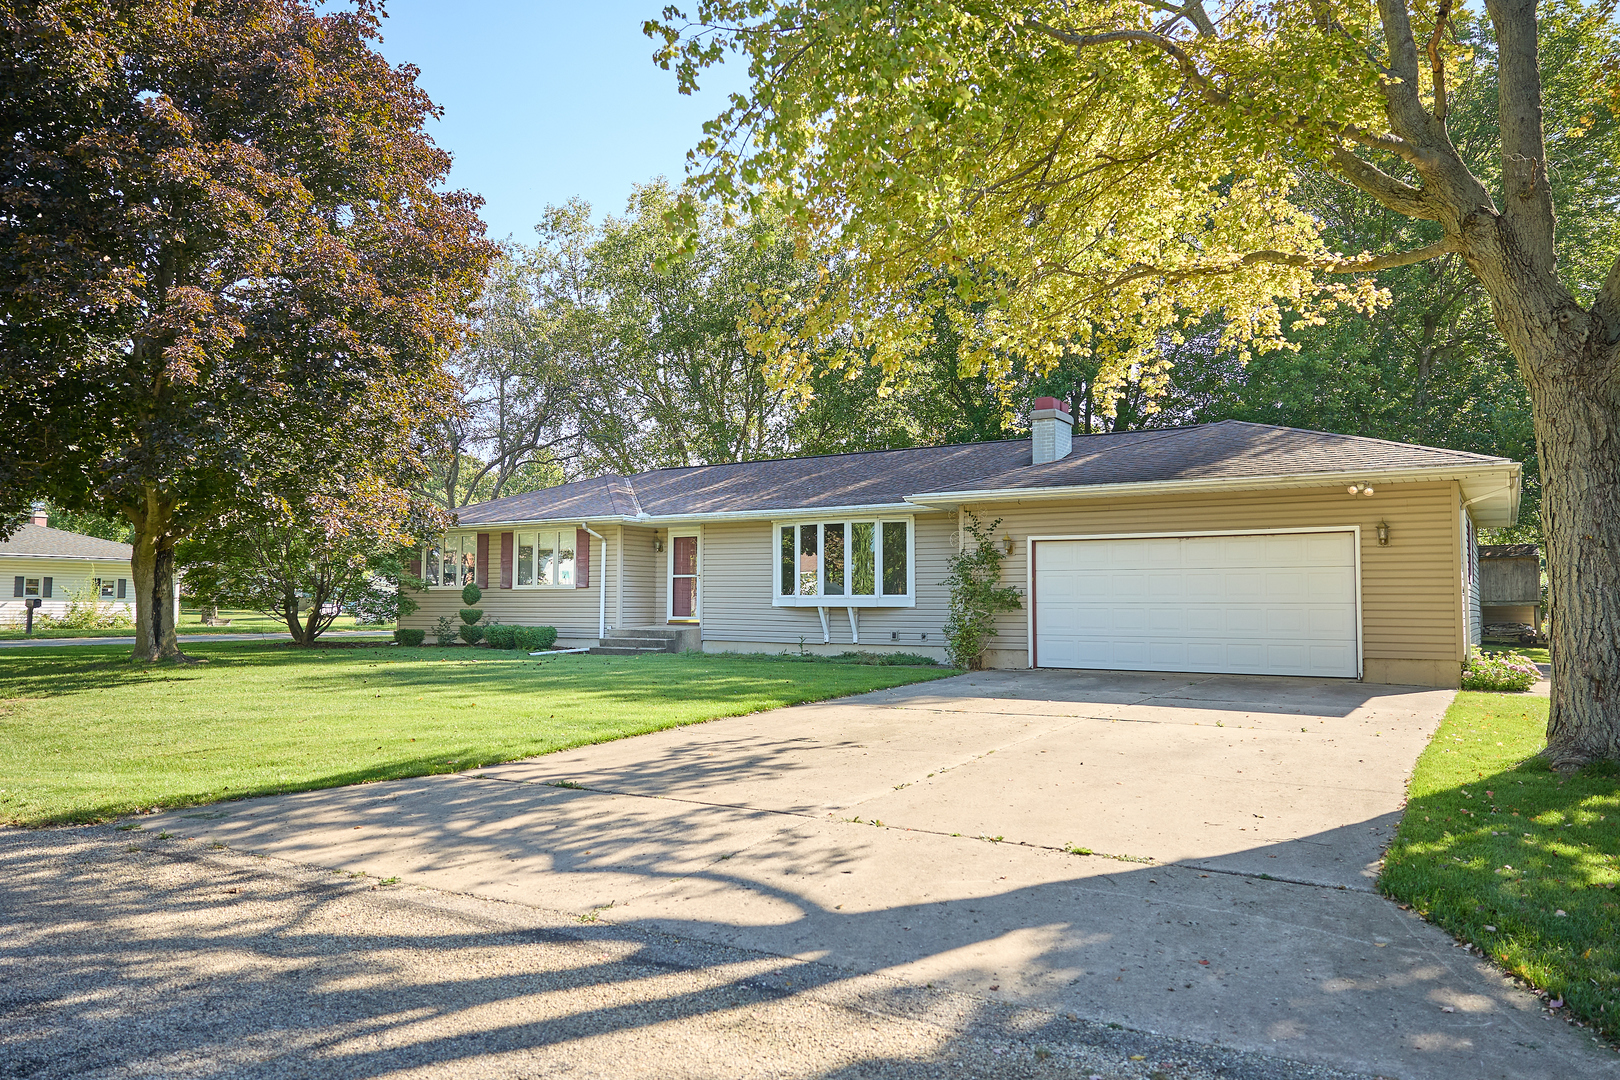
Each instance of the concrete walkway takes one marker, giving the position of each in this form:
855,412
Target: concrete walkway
925,833
186,639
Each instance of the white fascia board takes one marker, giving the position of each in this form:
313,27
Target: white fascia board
665,520
66,558
1475,480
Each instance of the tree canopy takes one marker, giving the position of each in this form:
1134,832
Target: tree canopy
226,262
1095,180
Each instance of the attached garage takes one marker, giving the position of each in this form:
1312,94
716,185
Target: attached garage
1273,603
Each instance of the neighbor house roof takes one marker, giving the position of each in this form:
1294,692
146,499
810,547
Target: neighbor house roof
1509,551
1231,452
40,542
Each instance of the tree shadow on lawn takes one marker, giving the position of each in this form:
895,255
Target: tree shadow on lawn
1525,863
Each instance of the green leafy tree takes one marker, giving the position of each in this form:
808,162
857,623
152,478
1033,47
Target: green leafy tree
225,257
1101,176
977,594
307,559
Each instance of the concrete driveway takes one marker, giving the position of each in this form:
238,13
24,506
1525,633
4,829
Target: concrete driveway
1187,855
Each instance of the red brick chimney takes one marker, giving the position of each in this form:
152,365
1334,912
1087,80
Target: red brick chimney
41,516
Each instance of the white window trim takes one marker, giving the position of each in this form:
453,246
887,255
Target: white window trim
844,600
443,543
669,576
537,532
38,591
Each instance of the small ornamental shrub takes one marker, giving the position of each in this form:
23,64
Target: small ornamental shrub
471,594
1509,672
471,633
535,638
977,596
500,636
471,615
444,631
410,637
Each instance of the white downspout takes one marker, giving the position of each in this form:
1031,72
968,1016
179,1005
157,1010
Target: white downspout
601,586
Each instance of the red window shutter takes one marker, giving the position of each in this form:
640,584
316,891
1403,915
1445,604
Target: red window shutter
483,560
582,559
416,565
506,560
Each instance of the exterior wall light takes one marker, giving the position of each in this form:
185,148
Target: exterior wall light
1362,488
1383,534
1007,542
658,543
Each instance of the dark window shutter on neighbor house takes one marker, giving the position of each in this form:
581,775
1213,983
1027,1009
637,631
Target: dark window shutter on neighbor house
582,559
416,565
17,587
46,592
506,560
483,560
121,582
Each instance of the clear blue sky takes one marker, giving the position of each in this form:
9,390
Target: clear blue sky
543,101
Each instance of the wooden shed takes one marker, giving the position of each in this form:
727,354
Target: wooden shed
1510,589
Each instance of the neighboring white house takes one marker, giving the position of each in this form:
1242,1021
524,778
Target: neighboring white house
55,566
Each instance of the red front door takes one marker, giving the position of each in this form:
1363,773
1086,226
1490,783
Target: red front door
683,585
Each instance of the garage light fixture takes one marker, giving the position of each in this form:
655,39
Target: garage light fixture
1383,534
1362,488
1007,542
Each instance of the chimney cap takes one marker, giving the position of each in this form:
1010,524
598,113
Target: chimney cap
1052,403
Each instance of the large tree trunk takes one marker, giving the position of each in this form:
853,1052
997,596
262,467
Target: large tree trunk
1578,437
152,565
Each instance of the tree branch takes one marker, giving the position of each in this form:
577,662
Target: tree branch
1390,192
1443,246
1606,305
1526,194
1437,63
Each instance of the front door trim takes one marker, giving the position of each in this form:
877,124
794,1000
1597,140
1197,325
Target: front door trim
669,577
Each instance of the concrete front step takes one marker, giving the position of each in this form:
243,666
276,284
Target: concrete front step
645,639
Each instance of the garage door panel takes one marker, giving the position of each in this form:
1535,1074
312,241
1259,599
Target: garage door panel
1281,604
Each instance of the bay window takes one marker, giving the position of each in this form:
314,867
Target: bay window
544,559
844,563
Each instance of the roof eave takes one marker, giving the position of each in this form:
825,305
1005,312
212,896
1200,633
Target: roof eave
1491,512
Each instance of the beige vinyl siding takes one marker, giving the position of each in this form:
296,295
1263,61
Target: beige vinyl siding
642,568
68,577
1409,590
572,611
739,578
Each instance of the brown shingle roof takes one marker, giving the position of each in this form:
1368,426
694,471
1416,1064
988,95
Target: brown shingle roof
1227,450
37,541
1509,551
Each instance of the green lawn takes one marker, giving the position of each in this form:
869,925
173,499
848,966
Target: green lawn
85,735
242,622
1531,652
1505,853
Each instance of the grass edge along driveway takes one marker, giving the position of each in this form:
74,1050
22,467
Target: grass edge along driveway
1518,860
85,735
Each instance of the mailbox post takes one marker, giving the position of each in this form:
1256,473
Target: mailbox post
30,604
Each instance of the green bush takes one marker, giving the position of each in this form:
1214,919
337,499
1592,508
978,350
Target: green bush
1509,672
444,631
500,636
410,637
471,594
977,595
535,638
471,615
471,634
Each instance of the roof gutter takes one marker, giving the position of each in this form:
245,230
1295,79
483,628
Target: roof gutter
650,520
951,500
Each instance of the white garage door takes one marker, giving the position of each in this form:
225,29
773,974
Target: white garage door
1256,604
